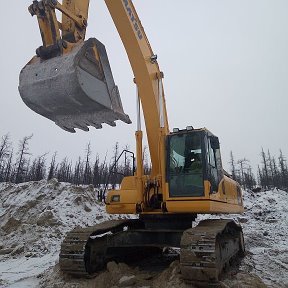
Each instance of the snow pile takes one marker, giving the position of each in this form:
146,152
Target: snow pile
265,225
265,228
34,218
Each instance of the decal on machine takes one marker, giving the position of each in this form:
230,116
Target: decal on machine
133,19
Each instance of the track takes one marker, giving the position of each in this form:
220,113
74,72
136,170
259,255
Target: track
207,249
75,254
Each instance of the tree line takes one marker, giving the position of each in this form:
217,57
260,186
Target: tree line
20,166
272,172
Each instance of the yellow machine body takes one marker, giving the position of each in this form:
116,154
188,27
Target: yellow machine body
123,201
185,190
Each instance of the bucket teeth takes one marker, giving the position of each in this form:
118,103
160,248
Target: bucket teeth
111,123
71,130
81,127
98,126
80,93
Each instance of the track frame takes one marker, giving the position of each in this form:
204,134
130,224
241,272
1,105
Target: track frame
205,250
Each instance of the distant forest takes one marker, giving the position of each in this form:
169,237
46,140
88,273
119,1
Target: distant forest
272,172
20,166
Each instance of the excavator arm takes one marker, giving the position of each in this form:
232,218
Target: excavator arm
58,37
60,41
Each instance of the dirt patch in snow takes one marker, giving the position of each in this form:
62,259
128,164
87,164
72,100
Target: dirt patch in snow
121,275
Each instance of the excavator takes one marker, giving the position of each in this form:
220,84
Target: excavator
70,82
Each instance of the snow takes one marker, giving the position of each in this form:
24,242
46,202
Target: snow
265,228
35,216
25,270
266,236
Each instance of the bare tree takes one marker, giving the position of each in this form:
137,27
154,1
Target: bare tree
276,175
37,170
78,172
249,179
232,163
283,171
128,165
87,176
7,171
104,171
96,172
52,168
21,161
114,175
272,173
64,171
243,168
5,147
146,162
265,170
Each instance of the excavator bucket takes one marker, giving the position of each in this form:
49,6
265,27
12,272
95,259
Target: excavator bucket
75,90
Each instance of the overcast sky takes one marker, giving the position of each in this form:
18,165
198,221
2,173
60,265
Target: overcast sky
225,65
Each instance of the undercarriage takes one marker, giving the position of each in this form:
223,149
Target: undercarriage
204,250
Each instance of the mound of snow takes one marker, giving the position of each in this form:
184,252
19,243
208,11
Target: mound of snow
266,236
265,228
34,218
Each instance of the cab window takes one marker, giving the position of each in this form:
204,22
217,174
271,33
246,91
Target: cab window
185,172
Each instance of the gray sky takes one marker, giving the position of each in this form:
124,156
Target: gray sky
225,65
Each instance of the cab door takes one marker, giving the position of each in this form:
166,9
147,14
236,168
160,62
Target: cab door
214,162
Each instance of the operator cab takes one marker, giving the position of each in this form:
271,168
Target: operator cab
193,156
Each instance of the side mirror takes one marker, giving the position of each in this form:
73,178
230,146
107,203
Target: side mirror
214,143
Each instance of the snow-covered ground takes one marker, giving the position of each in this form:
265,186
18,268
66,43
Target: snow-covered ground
266,232
265,227
35,216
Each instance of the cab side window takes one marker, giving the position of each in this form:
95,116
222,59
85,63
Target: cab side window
215,172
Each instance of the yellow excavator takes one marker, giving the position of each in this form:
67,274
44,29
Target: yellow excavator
70,82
